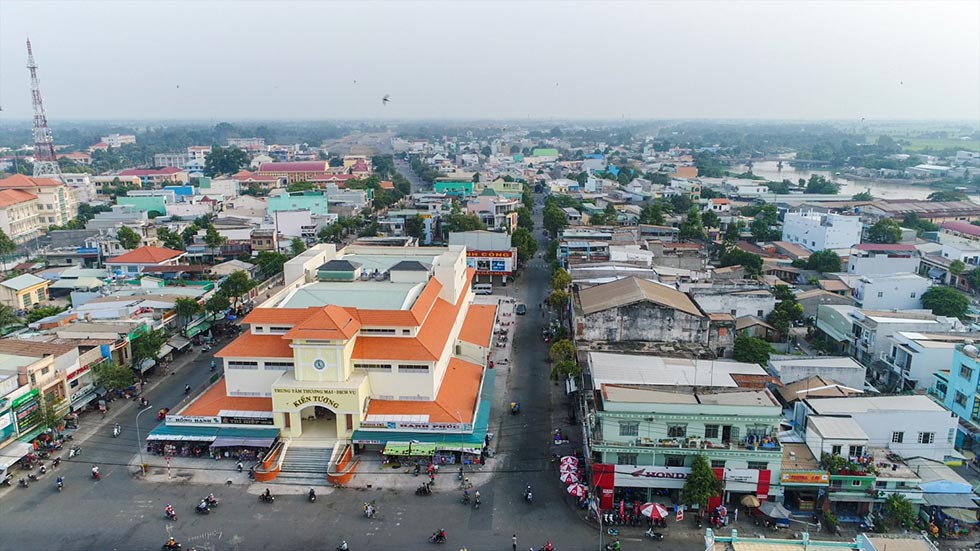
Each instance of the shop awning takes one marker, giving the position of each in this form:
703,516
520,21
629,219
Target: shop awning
179,343
964,515
199,328
409,448
13,453
147,364
183,434
221,437
82,402
164,350
238,441
959,501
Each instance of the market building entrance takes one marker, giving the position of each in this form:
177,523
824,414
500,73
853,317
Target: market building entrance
318,422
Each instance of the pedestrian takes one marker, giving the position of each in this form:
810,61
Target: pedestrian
735,514
513,540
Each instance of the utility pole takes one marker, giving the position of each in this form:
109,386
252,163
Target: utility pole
45,161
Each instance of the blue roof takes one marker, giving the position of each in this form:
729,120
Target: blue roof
594,156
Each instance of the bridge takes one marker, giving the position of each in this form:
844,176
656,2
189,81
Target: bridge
794,162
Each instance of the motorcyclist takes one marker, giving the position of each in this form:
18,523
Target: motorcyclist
213,365
211,500
549,547
171,543
169,511
477,496
441,535
466,496
95,471
312,494
61,482
203,505
187,389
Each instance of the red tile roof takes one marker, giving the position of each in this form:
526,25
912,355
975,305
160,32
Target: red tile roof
279,316
300,166
962,227
166,171
216,399
458,394
146,255
886,246
19,181
257,346
478,325
13,196
329,323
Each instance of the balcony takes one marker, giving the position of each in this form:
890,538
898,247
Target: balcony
692,446
863,465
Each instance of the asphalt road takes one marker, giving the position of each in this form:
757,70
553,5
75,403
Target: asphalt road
121,512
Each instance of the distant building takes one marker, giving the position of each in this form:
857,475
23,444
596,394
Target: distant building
57,203
136,260
19,215
157,177
957,388
301,171
876,259
117,140
843,369
915,357
891,292
819,231
24,291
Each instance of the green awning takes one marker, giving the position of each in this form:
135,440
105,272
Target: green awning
409,448
199,328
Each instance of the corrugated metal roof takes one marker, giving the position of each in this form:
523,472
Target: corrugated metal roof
631,290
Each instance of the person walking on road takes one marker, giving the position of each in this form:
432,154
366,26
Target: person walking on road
514,541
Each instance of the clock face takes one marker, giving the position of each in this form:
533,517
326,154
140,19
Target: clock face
319,364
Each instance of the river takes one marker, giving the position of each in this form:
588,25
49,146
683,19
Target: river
880,190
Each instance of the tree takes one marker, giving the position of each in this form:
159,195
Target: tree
335,161
297,246
51,405
171,239
940,196
710,220
525,243
957,267
764,225
554,219
7,247
784,315
863,196
565,369
885,230
752,350
701,484
525,219
128,239
456,221
299,186
733,232
562,350
899,511
476,177
216,304
113,376
559,301
653,213
186,308
820,185
973,278
783,292
8,318
224,161
560,280
147,346
824,261
415,227
681,203
945,301
733,256
43,312
691,227
238,284
213,239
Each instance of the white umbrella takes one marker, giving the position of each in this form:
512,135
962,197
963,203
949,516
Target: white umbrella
774,510
568,468
568,477
655,511
577,490
569,459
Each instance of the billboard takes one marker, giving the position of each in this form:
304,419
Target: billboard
492,262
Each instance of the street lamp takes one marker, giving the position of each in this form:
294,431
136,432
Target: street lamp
139,439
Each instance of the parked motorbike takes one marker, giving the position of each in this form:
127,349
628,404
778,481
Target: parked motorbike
6,480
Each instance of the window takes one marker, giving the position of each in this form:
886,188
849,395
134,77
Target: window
880,484
758,465
733,312
855,483
912,295
676,431
44,370
966,372
950,435
376,331
626,459
717,463
835,450
373,367
960,399
278,365
629,429
243,365
279,329
855,451
674,460
759,313
927,437
413,367
711,431
880,294
897,437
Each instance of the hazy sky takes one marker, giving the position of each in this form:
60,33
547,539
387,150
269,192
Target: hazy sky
200,59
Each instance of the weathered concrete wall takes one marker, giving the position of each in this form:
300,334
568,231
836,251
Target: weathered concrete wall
641,322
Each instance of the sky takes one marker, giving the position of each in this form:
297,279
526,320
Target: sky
315,60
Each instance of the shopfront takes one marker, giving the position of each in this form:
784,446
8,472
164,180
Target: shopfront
211,440
27,414
803,490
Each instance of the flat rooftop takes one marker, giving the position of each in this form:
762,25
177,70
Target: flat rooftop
860,404
797,457
627,369
369,295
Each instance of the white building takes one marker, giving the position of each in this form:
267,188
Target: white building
909,426
116,140
914,357
891,292
843,369
817,231
870,329
736,301
83,185
876,259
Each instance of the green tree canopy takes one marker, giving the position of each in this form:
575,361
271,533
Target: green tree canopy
216,304
565,368
559,301
128,239
171,239
765,225
820,185
824,261
863,196
560,280
733,232
942,196
900,511
784,315
691,227
945,301
653,213
113,376
7,247
710,220
525,219
186,308
885,230
238,284
525,243
8,319
224,161
213,239
554,219
43,312
147,346
562,350
701,485
733,256
297,246
957,267
752,350
270,263
415,226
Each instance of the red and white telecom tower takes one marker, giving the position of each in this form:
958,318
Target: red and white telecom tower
45,162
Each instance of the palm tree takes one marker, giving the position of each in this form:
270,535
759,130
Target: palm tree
186,308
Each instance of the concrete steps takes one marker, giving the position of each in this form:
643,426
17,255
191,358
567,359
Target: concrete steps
305,466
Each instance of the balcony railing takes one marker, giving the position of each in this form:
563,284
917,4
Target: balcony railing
766,444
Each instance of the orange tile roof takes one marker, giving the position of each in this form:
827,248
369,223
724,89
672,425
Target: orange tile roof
329,323
257,346
458,393
412,317
146,255
216,399
13,196
21,181
284,316
478,325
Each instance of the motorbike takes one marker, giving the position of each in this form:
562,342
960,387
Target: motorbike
202,508
32,477
466,498
24,483
267,498
56,461
369,510
211,501
96,475
61,484
170,514
73,451
343,546
655,536
116,430
476,503
423,490
187,389
6,480
528,495
171,546
437,537
312,495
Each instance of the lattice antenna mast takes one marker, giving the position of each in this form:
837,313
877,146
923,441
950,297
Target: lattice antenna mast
45,162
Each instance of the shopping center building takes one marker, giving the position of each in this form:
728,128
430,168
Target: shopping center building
379,347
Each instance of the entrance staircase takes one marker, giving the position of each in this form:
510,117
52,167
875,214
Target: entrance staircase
305,466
